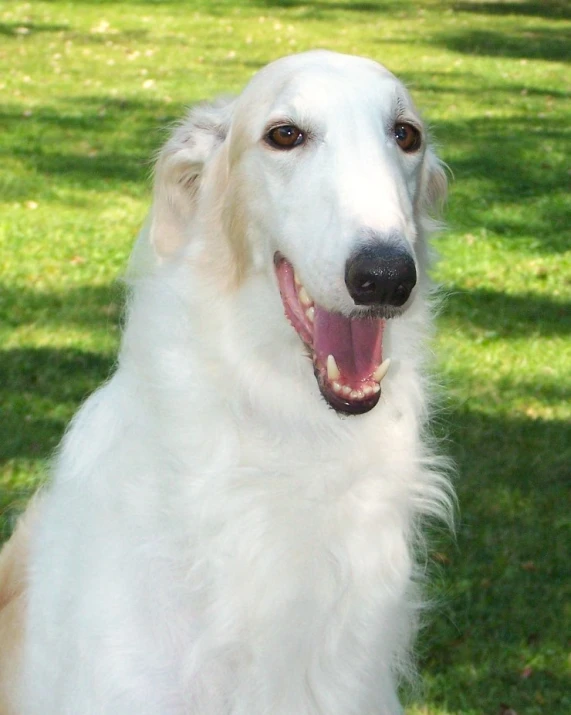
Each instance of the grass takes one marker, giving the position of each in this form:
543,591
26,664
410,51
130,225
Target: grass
87,88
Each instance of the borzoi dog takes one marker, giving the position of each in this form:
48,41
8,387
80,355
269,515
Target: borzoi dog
232,523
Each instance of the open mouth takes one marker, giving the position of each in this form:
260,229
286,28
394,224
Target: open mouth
347,352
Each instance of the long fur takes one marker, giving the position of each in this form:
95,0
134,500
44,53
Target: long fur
216,540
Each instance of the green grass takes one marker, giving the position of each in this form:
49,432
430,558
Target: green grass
87,88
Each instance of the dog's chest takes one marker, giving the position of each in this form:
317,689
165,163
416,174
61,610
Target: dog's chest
288,562
297,580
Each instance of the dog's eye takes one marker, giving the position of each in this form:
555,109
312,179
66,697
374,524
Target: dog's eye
408,137
285,137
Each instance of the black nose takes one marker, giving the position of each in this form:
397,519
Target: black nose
383,274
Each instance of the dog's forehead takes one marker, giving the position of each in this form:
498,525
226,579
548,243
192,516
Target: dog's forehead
320,79
320,63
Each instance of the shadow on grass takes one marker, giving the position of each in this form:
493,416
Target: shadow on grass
534,43
516,160
313,8
504,581
548,9
320,9
41,389
86,171
17,29
507,315
95,113
469,84
91,305
100,140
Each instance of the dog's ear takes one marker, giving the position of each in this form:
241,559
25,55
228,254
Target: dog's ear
178,172
434,183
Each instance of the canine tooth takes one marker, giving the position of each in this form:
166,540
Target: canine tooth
304,299
332,369
336,387
382,370
296,279
310,314
356,395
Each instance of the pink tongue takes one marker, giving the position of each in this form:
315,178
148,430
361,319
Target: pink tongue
355,344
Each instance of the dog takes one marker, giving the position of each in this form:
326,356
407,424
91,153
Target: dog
234,518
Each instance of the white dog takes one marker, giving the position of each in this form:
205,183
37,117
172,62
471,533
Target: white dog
233,517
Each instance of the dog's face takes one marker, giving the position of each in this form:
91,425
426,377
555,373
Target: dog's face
327,173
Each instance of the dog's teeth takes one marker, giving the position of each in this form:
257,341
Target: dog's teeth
304,299
376,388
310,315
367,390
356,395
336,386
296,279
346,390
382,370
332,369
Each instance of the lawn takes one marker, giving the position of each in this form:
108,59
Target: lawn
87,89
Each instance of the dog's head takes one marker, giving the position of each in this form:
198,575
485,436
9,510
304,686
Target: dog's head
321,175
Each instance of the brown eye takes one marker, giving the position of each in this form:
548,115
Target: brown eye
408,137
285,137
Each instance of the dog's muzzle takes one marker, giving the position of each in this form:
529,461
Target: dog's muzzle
346,350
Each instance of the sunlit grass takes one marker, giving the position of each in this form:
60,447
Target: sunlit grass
87,89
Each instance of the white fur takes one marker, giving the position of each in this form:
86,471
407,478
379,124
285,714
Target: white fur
216,539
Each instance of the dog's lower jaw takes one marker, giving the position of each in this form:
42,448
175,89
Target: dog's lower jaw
331,393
